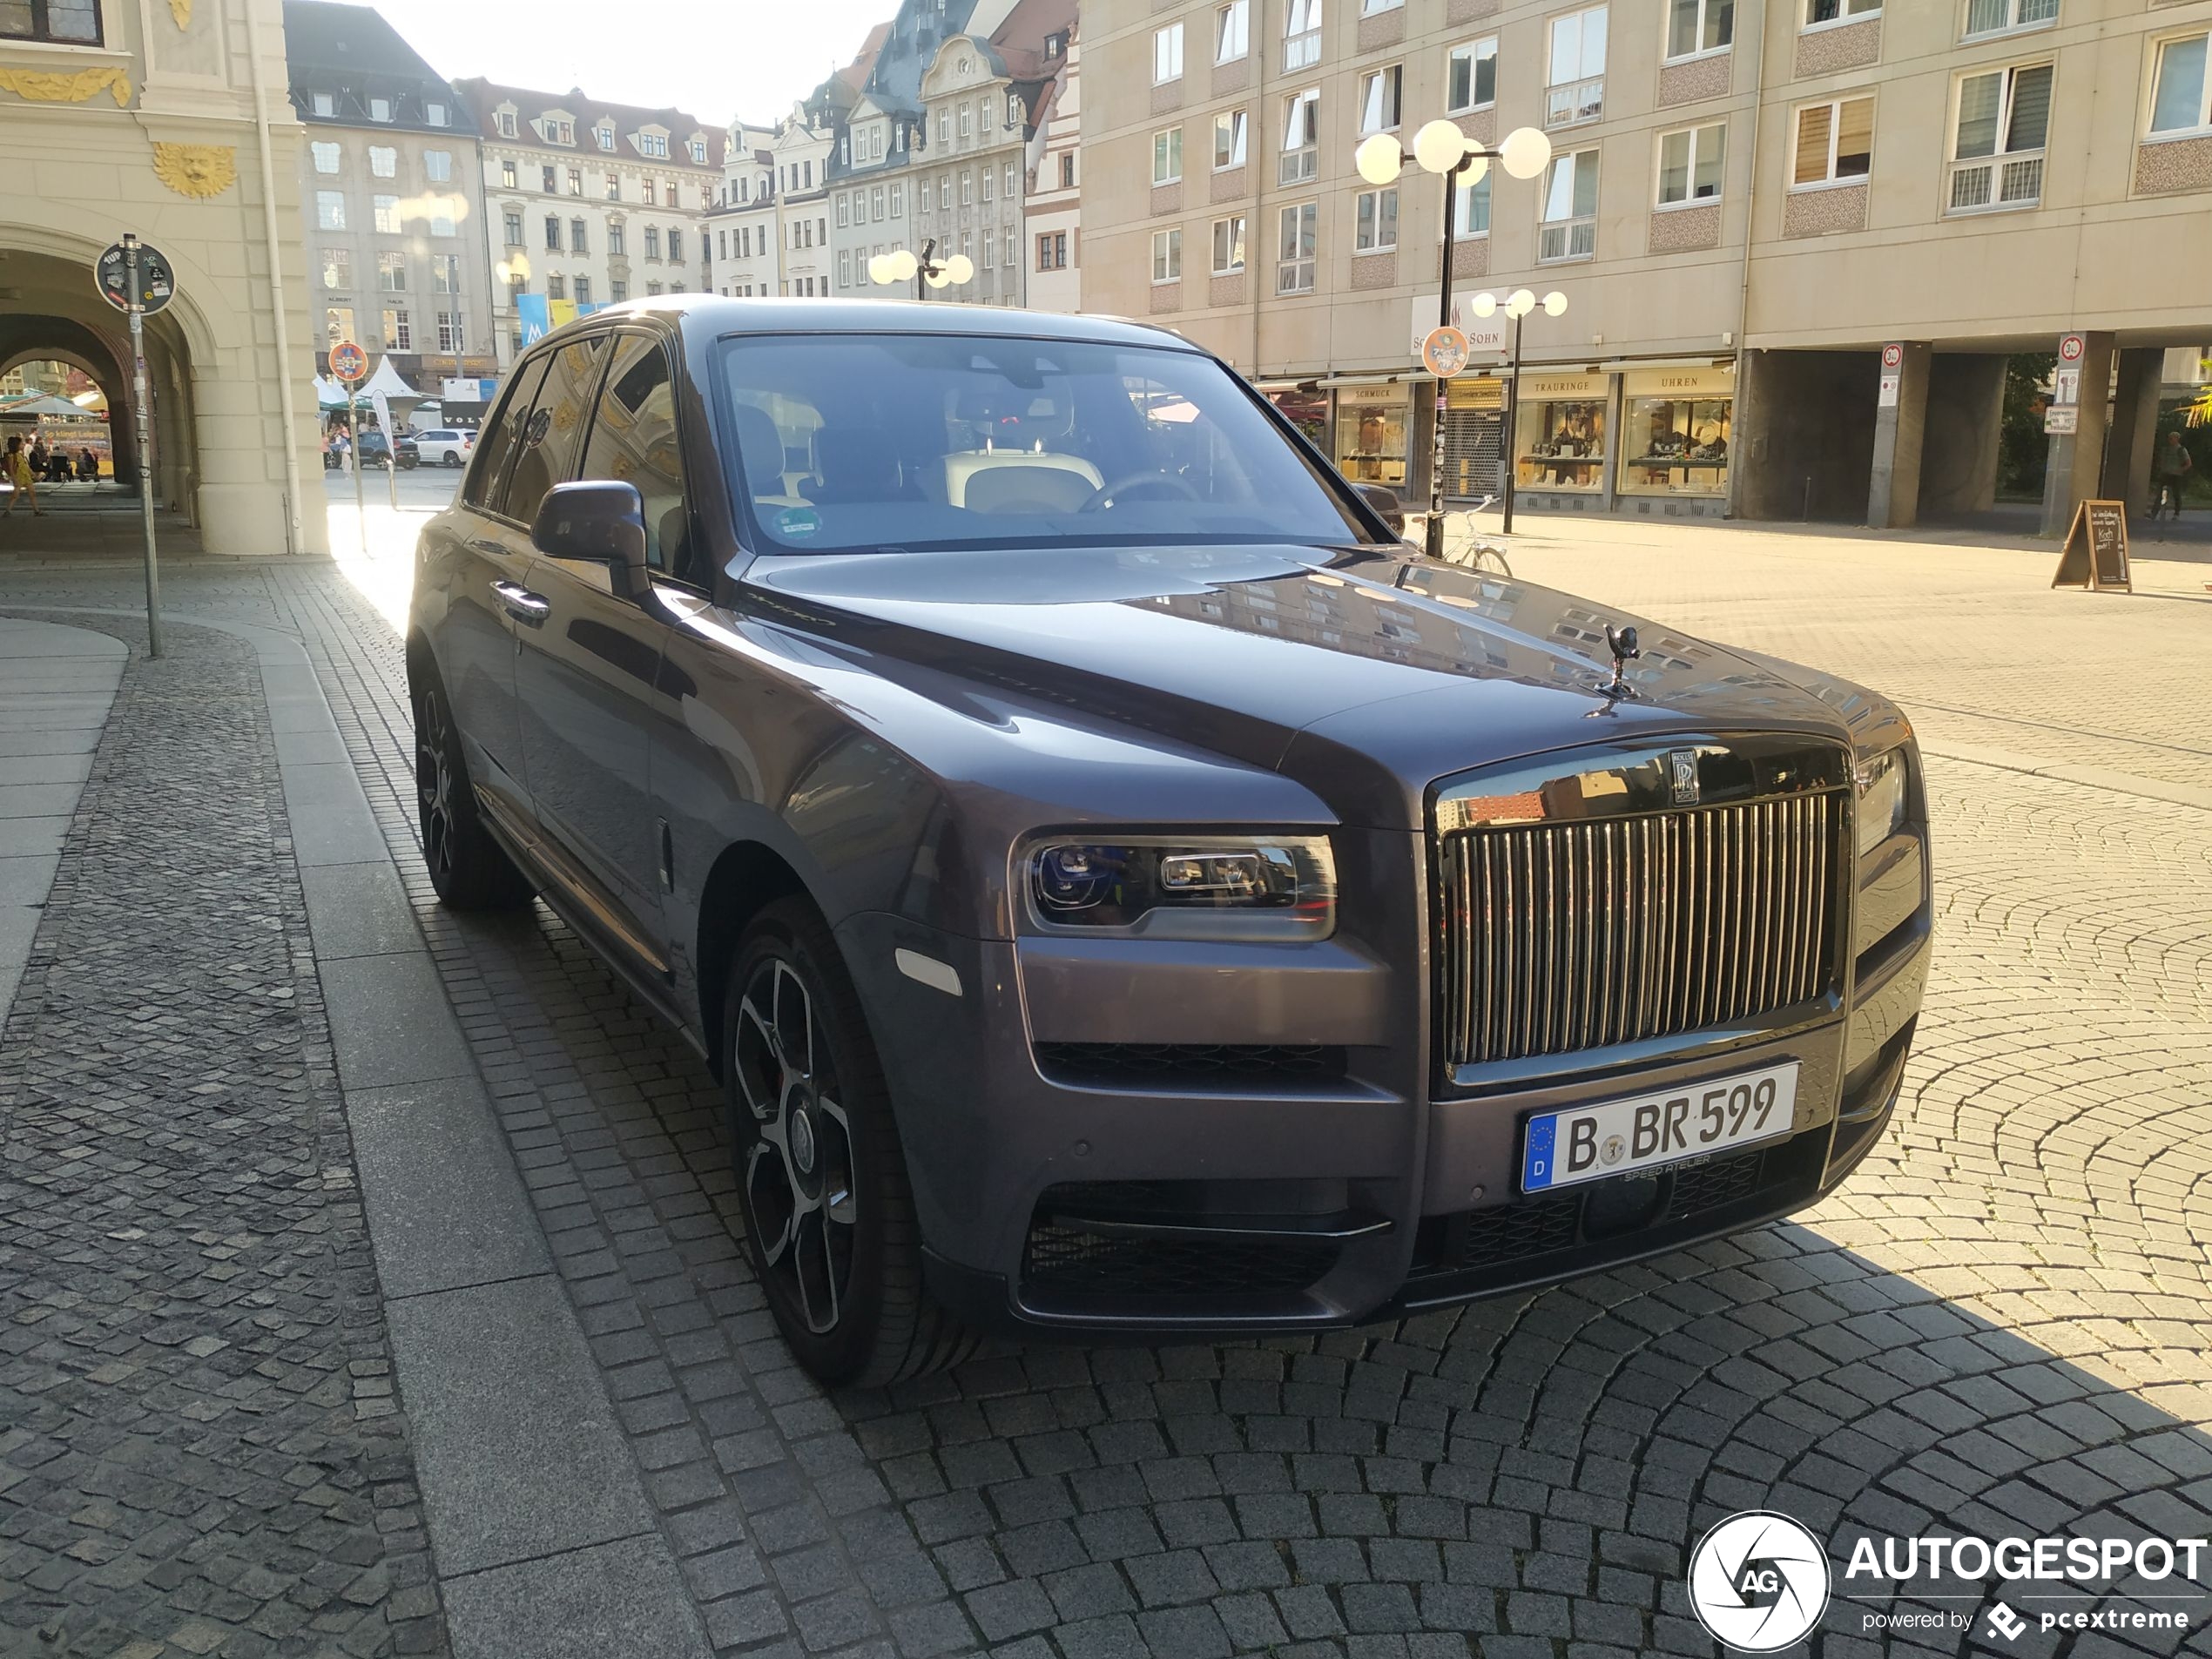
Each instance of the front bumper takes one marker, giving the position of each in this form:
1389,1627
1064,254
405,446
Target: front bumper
1072,1181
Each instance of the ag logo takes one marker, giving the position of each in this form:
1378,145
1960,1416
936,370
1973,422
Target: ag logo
1758,1582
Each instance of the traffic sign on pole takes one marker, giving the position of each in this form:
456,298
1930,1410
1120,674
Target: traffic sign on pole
147,283
136,278
348,363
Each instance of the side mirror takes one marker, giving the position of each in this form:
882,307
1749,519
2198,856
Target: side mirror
1384,500
602,522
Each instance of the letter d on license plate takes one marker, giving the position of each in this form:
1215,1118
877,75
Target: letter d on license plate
1645,1131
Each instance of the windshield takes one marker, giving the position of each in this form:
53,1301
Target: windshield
859,442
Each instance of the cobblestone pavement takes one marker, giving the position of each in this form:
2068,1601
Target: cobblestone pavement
1998,1326
200,1451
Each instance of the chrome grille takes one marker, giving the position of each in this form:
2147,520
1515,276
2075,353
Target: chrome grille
1563,936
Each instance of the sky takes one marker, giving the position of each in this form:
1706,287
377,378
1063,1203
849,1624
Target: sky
712,58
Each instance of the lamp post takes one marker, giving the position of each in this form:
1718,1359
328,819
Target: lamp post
1516,305
900,265
1441,148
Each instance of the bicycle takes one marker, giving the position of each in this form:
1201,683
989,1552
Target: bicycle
1466,546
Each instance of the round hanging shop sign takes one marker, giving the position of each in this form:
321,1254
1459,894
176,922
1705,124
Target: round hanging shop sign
1444,351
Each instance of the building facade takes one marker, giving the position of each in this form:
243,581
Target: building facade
588,203
872,184
1746,203
1052,181
392,189
969,171
170,122
741,231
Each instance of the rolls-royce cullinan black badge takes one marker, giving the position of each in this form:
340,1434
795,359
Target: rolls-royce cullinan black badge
1119,886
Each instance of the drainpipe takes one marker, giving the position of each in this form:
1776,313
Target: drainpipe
284,399
1743,290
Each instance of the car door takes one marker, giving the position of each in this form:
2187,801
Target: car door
586,675
475,562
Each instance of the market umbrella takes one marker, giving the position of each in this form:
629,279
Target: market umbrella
36,403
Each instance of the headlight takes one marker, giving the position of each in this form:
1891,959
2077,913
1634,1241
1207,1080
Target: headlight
1186,887
1879,811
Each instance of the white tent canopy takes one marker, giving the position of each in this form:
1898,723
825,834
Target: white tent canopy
397,392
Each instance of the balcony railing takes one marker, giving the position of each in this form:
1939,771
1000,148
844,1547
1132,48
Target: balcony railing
1580,101
1574,239
1995,182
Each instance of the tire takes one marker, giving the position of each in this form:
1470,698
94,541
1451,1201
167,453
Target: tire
469,870
453,460
810,1133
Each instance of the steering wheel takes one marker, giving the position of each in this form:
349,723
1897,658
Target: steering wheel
1102,498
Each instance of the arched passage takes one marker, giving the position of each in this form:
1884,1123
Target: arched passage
26,339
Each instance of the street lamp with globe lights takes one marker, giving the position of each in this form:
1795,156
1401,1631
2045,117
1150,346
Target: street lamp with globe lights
901,265
1517,306
1441,148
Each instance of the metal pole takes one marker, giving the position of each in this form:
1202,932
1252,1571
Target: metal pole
1432,541
1512,421
354,454
141,394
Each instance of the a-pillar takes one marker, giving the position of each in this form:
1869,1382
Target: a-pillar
1893,493
2134,425
2071,476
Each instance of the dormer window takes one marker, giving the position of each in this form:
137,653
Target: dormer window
653,144
325,105
698,153
1056,46
435,115
606,136
559,131
380,109
504,119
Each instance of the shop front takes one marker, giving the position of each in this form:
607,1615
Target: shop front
1677,432
1474,421
1560,437
1374,432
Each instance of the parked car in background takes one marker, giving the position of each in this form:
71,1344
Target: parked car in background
1121,887
377,449
446,446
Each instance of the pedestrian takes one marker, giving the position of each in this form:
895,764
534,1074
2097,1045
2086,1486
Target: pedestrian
2169,471
87,466
17,467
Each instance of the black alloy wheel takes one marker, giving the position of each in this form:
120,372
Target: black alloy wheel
821,1176
469,870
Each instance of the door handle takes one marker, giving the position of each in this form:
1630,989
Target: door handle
527,608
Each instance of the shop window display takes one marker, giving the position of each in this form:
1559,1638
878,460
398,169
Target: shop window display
1371,438
1677,432
1562,444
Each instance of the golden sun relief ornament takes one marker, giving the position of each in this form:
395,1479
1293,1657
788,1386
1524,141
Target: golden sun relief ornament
196,170
181,11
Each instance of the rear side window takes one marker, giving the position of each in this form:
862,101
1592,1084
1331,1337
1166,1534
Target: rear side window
634,441
547,451
487,480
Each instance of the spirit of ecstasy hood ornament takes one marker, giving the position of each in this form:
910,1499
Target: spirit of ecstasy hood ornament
1623,647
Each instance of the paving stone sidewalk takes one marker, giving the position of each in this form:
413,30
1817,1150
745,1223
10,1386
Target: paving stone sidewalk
2000,1325
200,1448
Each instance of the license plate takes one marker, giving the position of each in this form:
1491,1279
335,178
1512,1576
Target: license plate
1646,1131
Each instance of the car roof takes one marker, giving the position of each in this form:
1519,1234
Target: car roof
712,315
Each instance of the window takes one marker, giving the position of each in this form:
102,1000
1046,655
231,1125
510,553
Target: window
653,144
437,167
584,291
1838,10
391,273
1690,164
1228,244
1375,221
1470,209
1471,80
698,153
615,248
605,137
653,192
1011,243
507,174
1379,95
676,246
450,332
399,331
1167,256
898,201
944,126
441,220
1300,228
1232,31
383,161
388,215
2178,101
845,267
1577,78
614,187
876,202
1301,34
652,241
552,179
1013,110
576,181
1178,160
966,124
556,286
1570,207
651,288
560,131
967,187
1052,251
1997,144
990,248
944,192
1229,139
1067,169
844,211
338,269
436,115
577,244
325,105
618,292
1301,155
380,109
634,439
1835,142
1167,54
1007,177
445,273
1698,26
1167,156
1990,17
338,323
552,233
326,157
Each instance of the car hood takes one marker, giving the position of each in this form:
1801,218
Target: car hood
1367,674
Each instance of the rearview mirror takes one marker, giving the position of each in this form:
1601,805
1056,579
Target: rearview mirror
602,522
1384,500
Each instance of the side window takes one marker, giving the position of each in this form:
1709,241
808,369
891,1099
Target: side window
634,441
488,479
547,450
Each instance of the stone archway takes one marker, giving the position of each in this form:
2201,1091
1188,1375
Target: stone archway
31,338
